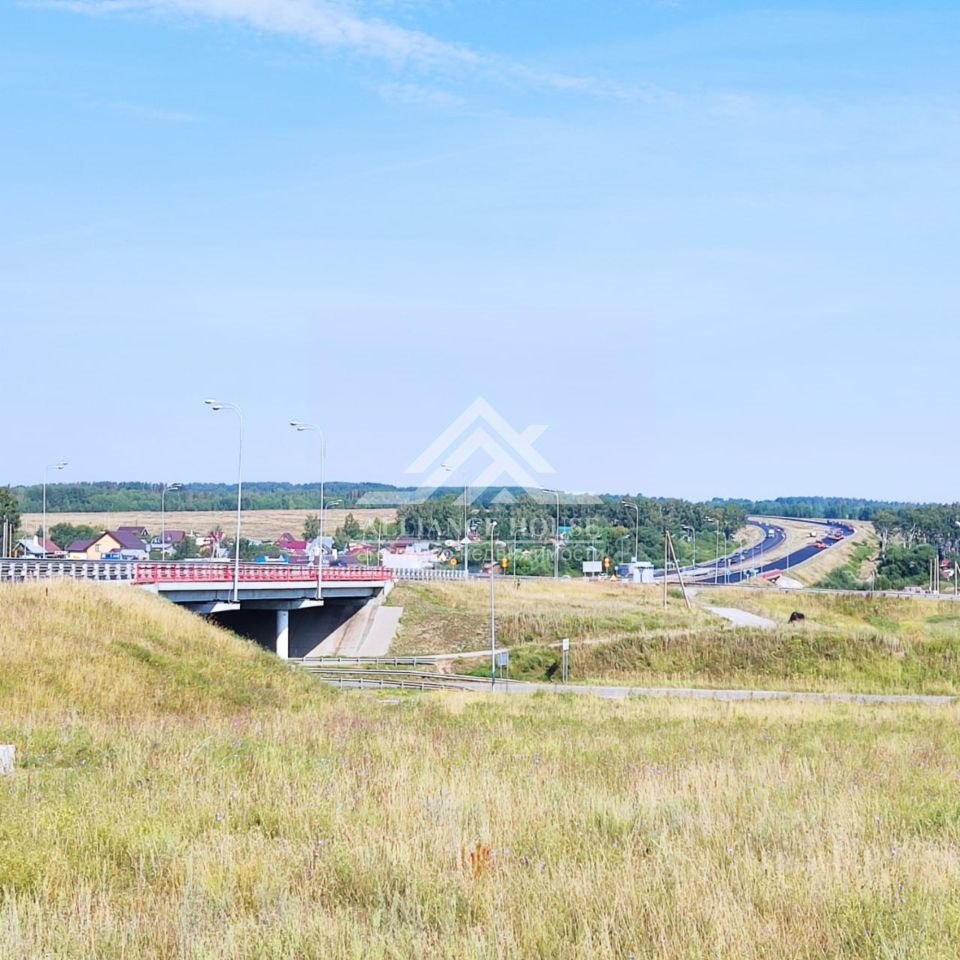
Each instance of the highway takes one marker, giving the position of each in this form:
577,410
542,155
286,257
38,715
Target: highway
752,558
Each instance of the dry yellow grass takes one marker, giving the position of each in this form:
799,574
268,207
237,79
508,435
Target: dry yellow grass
302,823
261,524
119,651
622,634
908,618
443,617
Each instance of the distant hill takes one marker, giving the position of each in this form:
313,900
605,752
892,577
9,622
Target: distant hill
829,508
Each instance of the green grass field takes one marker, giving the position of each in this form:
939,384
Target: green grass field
622,634
182,794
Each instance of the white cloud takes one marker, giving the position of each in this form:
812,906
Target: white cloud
336,24
321,22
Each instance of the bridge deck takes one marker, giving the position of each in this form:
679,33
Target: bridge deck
144,574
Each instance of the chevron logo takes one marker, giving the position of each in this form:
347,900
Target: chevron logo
510,459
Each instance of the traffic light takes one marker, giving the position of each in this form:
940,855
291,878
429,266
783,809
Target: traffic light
606,563
505,562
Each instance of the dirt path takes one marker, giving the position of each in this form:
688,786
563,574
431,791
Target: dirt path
741,618
696,693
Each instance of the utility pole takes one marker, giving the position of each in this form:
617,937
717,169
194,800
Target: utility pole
665,562
493,612
676,563
636,536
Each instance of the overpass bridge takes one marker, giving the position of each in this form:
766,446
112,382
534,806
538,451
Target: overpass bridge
284,607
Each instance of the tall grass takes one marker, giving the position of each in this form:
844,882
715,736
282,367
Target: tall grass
302,823
455,617
865,661
120,652
622,634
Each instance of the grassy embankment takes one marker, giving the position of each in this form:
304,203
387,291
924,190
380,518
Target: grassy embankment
801,533
855,573
182,794
622,634
442,617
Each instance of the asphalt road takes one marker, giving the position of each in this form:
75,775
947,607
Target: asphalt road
741,618
694,693
752,557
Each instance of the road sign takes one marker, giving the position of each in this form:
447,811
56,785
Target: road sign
503,658
592,566
565,645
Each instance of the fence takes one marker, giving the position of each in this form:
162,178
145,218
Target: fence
252,573
398,573
397,679
20,571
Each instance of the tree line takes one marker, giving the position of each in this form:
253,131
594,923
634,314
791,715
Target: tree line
591,528
128,497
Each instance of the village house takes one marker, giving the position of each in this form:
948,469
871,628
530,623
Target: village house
78,550
172,539
110,545
34,548
141,533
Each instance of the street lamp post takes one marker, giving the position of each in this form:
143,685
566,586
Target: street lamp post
466,539
693,533
217,406
716,575
493,616
163,530
636,541
51,466
300,428
556,546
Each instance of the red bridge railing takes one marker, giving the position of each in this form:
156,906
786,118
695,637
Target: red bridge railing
252,573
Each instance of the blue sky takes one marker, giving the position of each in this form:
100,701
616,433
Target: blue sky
711,246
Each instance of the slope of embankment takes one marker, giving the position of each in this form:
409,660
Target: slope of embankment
93,650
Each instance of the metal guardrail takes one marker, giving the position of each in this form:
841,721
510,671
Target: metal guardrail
142,573
340,661
253,573
375,679
21,571
399,573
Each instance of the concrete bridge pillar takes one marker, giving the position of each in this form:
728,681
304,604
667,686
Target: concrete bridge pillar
283,634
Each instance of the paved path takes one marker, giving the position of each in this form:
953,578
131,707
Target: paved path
741,618
694,693
381,631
